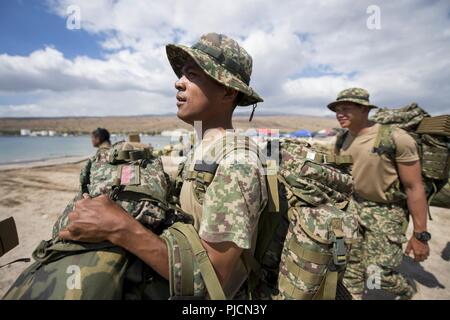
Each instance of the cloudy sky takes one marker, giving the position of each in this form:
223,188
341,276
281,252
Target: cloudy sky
304,52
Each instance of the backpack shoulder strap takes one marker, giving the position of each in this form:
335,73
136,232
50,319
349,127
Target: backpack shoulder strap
203,173
384,143
188,238
340,138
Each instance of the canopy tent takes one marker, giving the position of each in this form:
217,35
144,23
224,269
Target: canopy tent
302,133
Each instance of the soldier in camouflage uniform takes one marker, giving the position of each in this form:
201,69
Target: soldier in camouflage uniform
387,188
214,76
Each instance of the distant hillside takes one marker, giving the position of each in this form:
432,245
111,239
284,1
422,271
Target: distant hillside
156,124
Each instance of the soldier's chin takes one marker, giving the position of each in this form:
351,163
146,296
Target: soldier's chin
344,124
185,116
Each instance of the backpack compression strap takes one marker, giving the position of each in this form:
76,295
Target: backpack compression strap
335,261
204,173
189,241
327,158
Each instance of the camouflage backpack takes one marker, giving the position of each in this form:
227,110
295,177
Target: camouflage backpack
441,199
434,149
305,231
131,176
316,223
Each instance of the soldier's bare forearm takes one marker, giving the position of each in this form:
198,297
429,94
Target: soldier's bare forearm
411,178
417,206
145,245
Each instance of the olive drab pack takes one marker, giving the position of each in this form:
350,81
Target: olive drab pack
441,199
434,148
131,176
304,233
315,205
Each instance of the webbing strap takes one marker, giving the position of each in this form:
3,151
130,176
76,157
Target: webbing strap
326,158
285,285
339,249
133,155
272,184
383,144
146,190
171,263
187,268
205,177
340,139
308,255
204,173
305,276
207,271
327,290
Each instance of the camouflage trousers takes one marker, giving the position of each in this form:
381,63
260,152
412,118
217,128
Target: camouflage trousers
378,251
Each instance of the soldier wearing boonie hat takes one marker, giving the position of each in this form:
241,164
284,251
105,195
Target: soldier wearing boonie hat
225,208
222,59
355,95
225,198
384,205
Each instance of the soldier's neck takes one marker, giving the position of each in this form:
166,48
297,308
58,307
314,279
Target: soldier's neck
212,128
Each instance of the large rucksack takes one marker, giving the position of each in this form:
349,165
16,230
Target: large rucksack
305,231
131,176
433,146
442,196
315,204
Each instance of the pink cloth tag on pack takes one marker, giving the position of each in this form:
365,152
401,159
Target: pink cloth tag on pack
126,175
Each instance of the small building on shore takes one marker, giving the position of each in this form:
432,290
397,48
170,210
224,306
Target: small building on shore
25,132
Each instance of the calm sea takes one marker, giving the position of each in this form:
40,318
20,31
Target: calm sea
24,149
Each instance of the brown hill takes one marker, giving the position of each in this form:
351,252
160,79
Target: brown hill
156,124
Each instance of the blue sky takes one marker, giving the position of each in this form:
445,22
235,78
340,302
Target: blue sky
304,52
29,25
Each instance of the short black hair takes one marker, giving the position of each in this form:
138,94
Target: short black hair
102,134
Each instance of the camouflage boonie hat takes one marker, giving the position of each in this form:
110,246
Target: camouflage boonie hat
356,95
223,59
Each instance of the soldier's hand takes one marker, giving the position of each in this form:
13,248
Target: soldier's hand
95,220
420,249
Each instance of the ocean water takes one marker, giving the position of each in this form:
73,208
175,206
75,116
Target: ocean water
18,149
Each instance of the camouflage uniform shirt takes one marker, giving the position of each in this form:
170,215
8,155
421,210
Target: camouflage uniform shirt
230,208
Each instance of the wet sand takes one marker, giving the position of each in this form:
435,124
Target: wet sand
35,196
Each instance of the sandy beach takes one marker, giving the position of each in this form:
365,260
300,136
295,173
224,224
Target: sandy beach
35,194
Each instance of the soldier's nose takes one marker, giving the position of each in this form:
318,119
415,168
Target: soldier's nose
180,85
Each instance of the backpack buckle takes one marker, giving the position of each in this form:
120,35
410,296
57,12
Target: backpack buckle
339,251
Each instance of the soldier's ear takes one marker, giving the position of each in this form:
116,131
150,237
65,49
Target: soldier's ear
230,94
366,109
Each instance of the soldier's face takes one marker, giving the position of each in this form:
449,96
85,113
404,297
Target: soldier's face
348,114
198,95
95,141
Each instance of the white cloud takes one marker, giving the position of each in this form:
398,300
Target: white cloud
48,69
93,103
304,53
